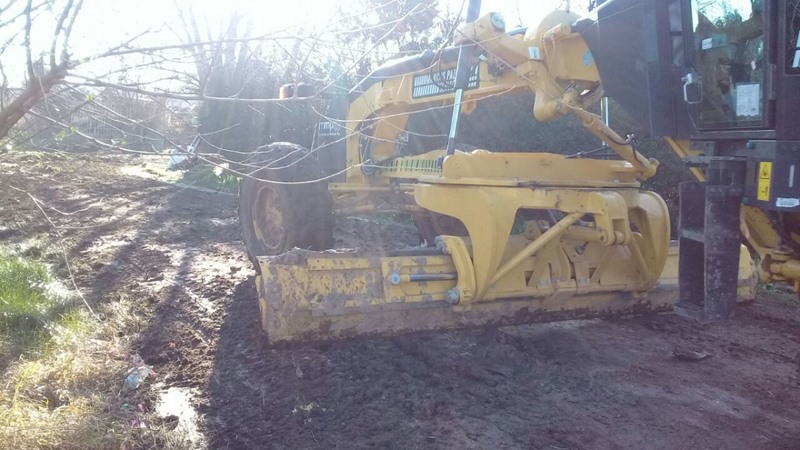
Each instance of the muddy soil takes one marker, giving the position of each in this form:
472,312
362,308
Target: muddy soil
570,385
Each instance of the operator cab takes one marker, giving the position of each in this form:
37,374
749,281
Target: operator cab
723,75
731,60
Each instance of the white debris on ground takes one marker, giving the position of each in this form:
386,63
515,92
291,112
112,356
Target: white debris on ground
176,402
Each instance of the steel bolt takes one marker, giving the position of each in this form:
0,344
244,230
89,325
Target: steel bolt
394,278
453,296
440,244
498,21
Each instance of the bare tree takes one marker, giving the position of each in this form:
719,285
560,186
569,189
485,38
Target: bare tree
217,67
39,80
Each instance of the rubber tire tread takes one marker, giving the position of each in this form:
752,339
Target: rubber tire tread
307,207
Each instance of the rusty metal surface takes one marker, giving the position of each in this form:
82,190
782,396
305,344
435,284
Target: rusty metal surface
302,298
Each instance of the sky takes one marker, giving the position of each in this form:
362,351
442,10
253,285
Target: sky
109,21
103,24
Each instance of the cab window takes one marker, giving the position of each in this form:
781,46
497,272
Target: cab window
793,37
729,44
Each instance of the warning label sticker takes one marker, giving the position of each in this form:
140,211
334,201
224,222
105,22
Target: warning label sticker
764,180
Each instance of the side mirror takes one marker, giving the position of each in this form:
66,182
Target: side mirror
692,88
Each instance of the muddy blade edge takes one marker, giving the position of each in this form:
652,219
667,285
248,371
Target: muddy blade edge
312,296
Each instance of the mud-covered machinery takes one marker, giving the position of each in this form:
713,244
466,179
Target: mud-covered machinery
527,236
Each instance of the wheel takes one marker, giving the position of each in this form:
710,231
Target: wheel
276,215
430,224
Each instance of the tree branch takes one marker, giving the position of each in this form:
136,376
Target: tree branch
68,31
57,31
128,51
188,97
27,42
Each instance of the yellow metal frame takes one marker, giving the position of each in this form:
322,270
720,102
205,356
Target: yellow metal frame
778,259
557,78
310,295
489,233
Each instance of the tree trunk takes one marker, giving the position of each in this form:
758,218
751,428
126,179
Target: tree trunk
36,89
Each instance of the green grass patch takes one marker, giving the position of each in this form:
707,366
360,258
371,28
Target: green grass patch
61,368
211,177
29,303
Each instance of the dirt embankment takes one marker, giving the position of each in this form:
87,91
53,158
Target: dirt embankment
589,384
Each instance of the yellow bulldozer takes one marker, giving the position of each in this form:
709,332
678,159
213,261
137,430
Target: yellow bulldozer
526,236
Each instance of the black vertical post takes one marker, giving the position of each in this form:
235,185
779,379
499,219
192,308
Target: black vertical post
691,252
709,239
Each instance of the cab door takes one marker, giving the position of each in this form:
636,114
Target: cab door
731,56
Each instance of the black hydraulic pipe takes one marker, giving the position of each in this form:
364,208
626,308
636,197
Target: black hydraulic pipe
420,277
473,10
395,278
416,251
463,71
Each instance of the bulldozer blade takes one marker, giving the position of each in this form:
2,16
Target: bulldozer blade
308,296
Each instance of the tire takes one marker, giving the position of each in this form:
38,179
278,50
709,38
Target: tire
275,217
430,224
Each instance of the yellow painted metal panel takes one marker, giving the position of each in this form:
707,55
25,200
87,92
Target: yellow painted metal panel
297,303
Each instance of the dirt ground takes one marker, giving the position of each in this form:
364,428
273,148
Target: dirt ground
570,385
